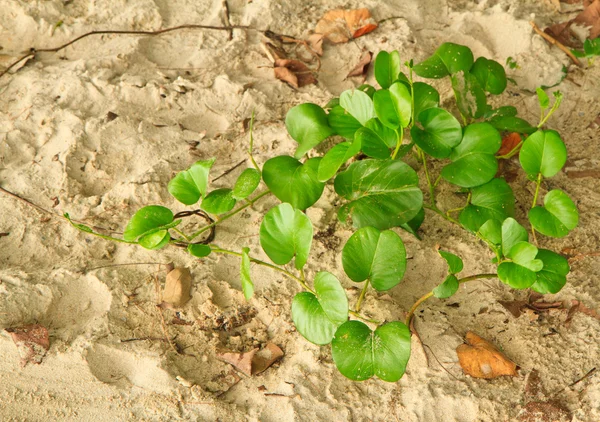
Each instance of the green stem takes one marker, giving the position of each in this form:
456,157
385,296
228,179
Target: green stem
93,233
538,182
431,185
435,209
181,233
229,215
557,101
359,316
398,143
412,97
511,153
362,296
428,295
251,147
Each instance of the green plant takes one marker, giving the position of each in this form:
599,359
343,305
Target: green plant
380,192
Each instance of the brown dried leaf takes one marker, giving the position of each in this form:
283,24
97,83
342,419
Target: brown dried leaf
294,72
577,306
273,52
255,361
514,306
177,288
481,359
362,67
509,142
32,342
241,361
340,25
533,385
588,18
266,357
315,42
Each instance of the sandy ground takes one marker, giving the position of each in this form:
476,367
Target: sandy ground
60,148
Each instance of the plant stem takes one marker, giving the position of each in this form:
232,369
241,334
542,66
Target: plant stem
435,209
511,153
398,143
229,215
538,182
428,295
431,185
359,316
182,234
557,101
250,148
362,296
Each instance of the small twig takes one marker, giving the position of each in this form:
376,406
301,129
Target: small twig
229,171
555,42
164,330
122,265
440,363
226,18
28,202
590,373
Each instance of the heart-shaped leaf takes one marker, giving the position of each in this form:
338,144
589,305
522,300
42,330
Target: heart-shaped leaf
494,200
393,106
294,182
512,124
318,317
543,152
553,276
335,158
375,255
557,217
512,233
199,250
148,220
382,193
387,68
447,288
491,233
190,185
490,74
358,104
448,59
455,264
219,201
413,225
473,161
425,97
371,143
342,122
307,124
470,96
441,132
285,233
360,353
521,272
156,240
246,184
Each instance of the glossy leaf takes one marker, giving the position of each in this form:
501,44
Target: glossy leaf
307,124
393,106
470,96
553,277
318,317
375,255
455,264
358,104
199,250
360,353
557,217
387,68
190,185
382,194
491,233
512,233
294,182
247,284
413,225
389,136
246,184
335,158
490,74
448,59
473,161
521,272
440,134
148,220
342,122
156,240
371,144
543,152
542,98
447,288
286,233
512,124
494,200
425,97
219,201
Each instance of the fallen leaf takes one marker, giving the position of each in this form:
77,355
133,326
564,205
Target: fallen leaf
32,342
588,18
509,142
255,361
577,306
481,359
546,411
273,52
177,287
513,306
294,72
340,25
362,67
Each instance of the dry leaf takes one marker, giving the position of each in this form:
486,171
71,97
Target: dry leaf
509,142
341,25
514,306
588,18
32,342
533,303
255,361
177,287
481,359
273,52
362,67
577,306
294,72
315,42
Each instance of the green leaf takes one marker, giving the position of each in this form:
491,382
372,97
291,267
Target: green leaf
393,106
557,217
389,136
425,97
504,111
382,193
371,144
294,182
285,233
494,200
491,233
148,220
448,59
335,158
307,124
521,273
543,152
524,254
246,184
78,226
455,264
553,277
387,68
473,160
375,255
247,284
367,89
155,240
360,353
470,96
447,288
512,233
342,122
413,225
490,74
441,132
542,98
358,104
190,185
199,250
219,201
318,317
512,124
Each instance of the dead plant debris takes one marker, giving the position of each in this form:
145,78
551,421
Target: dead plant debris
255,361
481,359
177,288
32,342
294,72
362,67
341,25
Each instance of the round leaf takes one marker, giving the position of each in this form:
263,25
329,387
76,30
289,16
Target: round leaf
342,122
473,160
374,255
147,220
307,124
543,152
358,104
512,233
557,217
387,68
393,106
219,201
360,353
156,240
470,96
246,184
524,254
447,288
491,232
371,144
285,233
389,136
425,97
441,132
190,185
490,74
455,264
382,193
293,182
494,200
198,250
448,59
413,225
516,276
553,276
511,124
335,158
